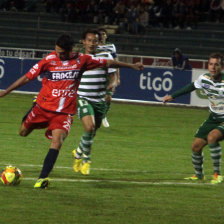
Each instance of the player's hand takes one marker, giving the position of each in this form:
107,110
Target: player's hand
138,66
118,82
167,98
2,93
111,86
108,98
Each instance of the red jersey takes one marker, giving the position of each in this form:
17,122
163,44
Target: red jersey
61,80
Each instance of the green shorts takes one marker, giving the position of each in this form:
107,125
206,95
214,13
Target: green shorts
86,108
213,122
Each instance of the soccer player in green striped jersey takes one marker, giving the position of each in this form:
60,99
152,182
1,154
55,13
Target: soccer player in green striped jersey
91,99
112,83
212,130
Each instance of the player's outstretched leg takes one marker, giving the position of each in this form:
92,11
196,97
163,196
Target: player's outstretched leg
58,136
48,165
215,150
216,153
197,161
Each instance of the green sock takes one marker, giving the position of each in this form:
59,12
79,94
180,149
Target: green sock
86,144
107,109
197,161
216,153
78,154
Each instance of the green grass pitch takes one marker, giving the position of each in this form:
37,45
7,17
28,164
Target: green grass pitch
138,166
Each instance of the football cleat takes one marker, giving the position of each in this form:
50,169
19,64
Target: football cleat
42,183
216,179
85,169
77,162
105,123
194,178
34,99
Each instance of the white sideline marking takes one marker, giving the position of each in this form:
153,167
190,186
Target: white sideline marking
70,167
108,181
121,181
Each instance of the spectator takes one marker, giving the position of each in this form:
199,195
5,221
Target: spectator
204,8
106,14
155,13
92,12
167,16
67,13
143,19
180,61
179,12
12,7
192,14
216,11
19,4
132,19
119,10
79,9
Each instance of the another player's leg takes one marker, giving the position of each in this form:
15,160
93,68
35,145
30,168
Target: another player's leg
58,136
77,154
99,111
197,159
82,154
108,99
82,158
112,83
215,150
86,144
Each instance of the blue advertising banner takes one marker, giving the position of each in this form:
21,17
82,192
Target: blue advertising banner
152,84
13,68
10,71
34,85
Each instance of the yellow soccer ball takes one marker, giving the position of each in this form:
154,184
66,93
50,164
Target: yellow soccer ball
11,175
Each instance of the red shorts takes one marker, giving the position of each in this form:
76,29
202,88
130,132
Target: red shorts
39,118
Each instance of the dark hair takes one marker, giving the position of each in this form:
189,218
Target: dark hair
177,50
93,31
65,41
217,55
103,30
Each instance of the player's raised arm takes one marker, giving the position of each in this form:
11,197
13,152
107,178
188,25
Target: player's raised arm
118,64
186,89
18,83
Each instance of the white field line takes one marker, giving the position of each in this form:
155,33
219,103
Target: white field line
108,181
122,181
70,167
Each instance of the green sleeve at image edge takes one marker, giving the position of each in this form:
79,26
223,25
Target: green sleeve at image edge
186,89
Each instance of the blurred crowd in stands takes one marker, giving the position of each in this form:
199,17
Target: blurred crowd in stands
133,16
13,5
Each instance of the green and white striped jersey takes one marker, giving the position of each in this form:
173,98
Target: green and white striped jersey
108,47
214,91
94,82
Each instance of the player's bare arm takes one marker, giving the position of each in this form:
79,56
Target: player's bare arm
167,98
118,64
18,83
112,82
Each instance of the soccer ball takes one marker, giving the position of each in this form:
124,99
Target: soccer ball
11,175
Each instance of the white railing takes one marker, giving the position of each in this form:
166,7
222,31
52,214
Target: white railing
23,53
146,60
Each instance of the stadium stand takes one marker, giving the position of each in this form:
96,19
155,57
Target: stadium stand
38,30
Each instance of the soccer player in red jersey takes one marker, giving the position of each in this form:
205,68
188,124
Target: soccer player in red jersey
56,102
